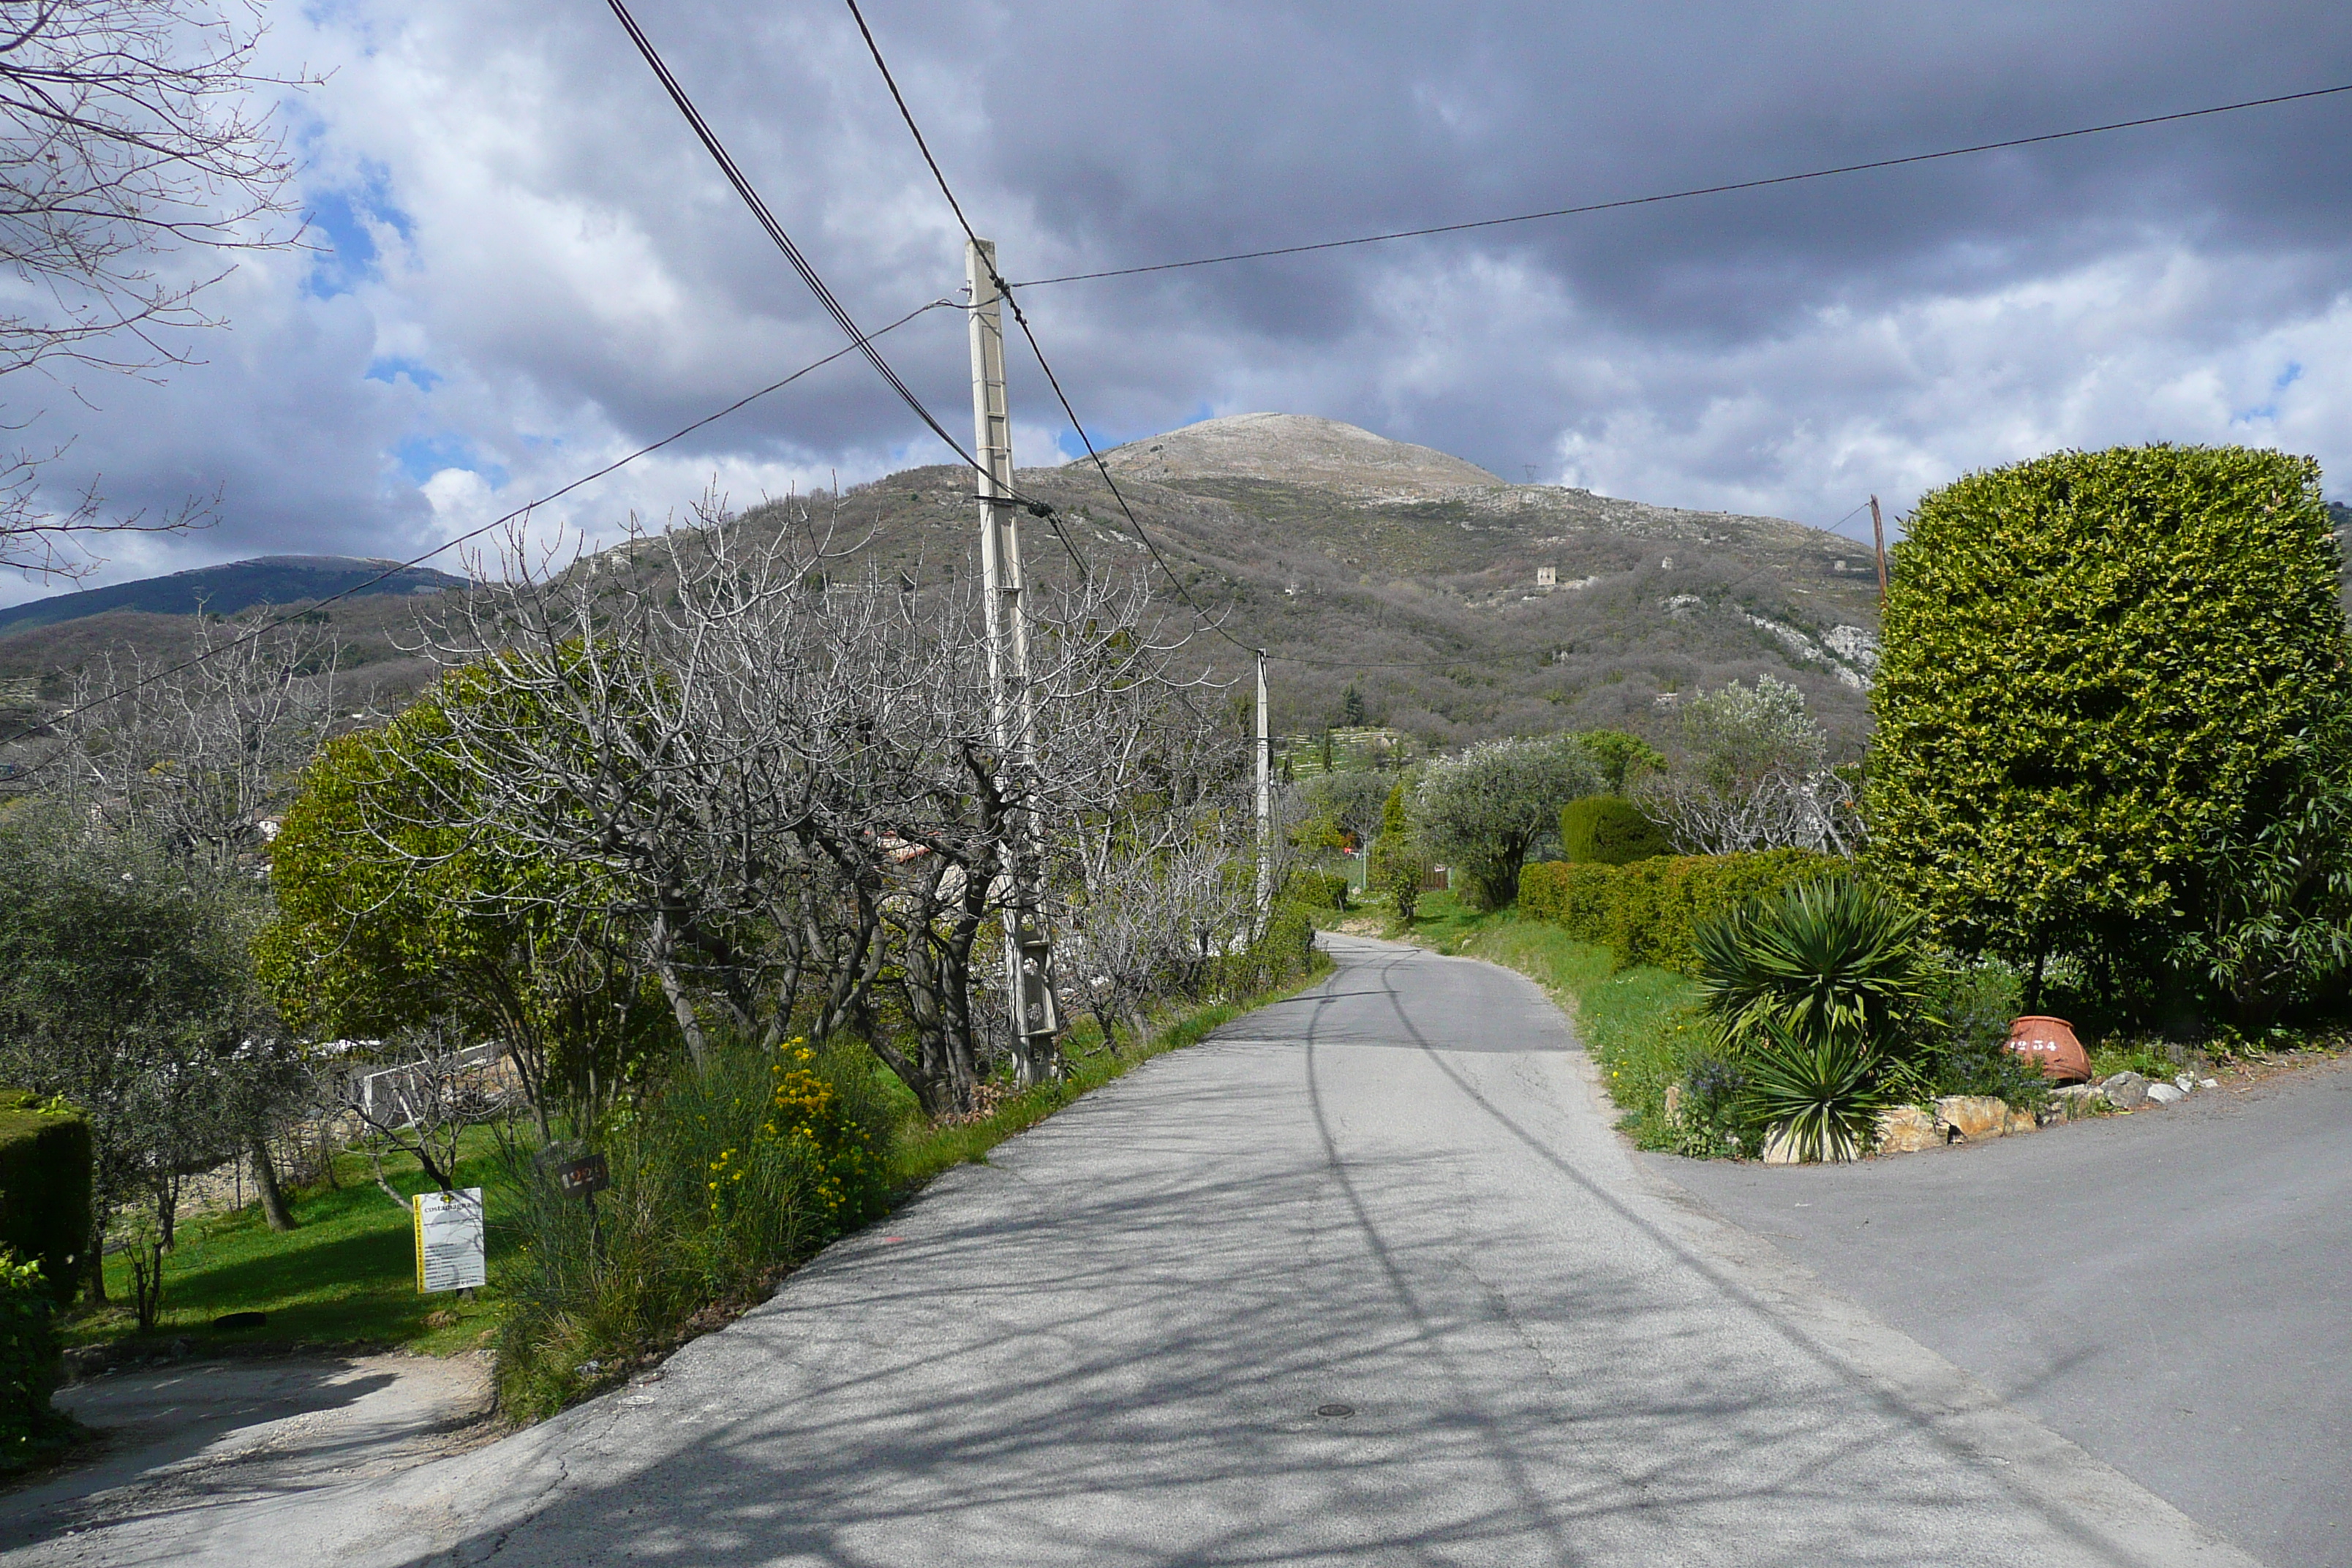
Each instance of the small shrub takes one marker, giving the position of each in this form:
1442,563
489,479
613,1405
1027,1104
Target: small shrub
1817,1091
1834,956
720,1179
1316,889
1609,830
28,1361
1715,1119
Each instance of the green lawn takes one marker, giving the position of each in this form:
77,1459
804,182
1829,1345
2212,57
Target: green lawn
347,1271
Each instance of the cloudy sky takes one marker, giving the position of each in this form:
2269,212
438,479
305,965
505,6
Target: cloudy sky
524,265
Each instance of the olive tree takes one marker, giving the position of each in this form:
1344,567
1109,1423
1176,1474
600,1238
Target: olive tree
125,985
2108,677
1488,808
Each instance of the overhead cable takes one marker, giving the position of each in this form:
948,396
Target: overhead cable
265,627
800,263
1021,318
1717,190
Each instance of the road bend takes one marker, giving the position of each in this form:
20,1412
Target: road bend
1365,1279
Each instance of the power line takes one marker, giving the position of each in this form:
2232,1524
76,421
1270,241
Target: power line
554,495
1692,190
808,274
1022,318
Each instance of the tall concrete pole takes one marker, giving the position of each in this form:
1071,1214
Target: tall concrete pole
1265,807
1012,705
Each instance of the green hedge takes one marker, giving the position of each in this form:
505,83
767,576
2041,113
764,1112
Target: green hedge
1609,830
28,1361
45,1194
1650,911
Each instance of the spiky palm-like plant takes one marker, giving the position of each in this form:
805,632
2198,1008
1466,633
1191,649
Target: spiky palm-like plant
1817,1090
1831,958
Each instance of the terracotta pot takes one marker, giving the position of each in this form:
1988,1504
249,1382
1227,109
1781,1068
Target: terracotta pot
2051,1043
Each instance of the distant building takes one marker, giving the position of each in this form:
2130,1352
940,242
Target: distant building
1547,578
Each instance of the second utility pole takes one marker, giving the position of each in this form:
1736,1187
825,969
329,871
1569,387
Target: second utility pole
1265,806
1012,706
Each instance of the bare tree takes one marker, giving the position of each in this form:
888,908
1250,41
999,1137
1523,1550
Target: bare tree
765,777
418,1093
1750,772
195,761
200,757
133,166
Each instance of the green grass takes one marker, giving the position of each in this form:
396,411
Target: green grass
1639,1023
347,1271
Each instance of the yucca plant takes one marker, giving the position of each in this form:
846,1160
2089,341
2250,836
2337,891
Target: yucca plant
1831,958
1816,1091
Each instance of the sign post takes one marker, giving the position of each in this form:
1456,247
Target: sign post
450,1255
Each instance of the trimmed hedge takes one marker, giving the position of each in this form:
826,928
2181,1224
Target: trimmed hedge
1609,830
1650,911
45,1191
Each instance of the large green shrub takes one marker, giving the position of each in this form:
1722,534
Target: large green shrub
1609,830
2099,667
28,1360
1651,911
45,1186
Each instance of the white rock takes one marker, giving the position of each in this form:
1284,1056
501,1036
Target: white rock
2183,1082
2165,1093
2209,1083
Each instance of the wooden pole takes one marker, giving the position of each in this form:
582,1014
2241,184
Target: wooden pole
1878,542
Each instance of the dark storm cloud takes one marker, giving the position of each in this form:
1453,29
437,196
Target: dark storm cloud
530,238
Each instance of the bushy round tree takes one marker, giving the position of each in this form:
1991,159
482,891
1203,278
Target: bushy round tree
1486,808
2100,670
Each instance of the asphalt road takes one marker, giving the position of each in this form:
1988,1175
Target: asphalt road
2170,1289
1368,1280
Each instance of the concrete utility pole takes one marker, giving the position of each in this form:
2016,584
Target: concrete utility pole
1265,806
1878,542
1012,706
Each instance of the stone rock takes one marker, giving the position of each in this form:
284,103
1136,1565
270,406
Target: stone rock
2209,1083
1674,1105
1972,1116
2165,1093
1780,1149
2077,1099
2020,1122
2126,1091
2183,1082
1905,1130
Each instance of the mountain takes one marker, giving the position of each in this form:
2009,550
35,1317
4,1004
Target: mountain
1456,605
1417,578
282,580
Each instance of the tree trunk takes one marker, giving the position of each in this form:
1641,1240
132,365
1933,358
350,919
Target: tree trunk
264,1185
